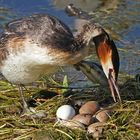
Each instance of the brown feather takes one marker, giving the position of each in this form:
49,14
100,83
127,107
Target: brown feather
10,42
104,52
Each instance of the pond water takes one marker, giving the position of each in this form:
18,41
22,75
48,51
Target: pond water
120,17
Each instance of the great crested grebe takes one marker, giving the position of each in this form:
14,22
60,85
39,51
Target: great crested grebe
93,71
105,49
37,45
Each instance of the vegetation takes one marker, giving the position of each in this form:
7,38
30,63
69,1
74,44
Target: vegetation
123,124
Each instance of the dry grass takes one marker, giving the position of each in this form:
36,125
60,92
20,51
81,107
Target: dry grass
122,125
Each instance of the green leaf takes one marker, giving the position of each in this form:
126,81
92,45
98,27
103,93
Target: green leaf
65,84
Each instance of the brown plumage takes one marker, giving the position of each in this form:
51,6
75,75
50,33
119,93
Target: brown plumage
37,45
105,47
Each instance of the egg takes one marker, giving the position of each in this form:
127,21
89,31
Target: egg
72,124
95,129
102,116
65,112
83,118
90,107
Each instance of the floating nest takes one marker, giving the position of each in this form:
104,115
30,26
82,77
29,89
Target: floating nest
123,124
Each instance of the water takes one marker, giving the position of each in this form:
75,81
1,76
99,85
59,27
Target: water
120,17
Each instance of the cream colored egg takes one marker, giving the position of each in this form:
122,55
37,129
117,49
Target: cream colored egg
83,118
72,124
65,112
90,107
103,116
95,129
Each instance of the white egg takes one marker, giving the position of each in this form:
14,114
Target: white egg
65,112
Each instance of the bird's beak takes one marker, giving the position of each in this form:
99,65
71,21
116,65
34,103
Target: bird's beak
113,87
109,58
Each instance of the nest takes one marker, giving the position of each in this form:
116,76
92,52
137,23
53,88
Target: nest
124,122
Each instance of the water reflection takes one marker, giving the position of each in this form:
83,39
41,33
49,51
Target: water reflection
120,17
86,5
89,5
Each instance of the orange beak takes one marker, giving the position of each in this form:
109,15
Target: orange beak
109,58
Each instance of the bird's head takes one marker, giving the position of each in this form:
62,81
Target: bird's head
109,58
107,53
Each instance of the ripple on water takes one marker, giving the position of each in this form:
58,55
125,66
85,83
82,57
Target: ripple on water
121,17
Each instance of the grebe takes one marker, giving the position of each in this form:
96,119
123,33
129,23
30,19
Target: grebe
93,71
37,45
105,49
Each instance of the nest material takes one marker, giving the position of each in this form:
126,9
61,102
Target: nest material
123,124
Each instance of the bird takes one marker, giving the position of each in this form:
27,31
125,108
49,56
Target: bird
93,71
95,74
38,45
92,35
105,49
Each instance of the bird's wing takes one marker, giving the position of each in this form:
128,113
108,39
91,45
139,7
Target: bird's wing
9,43
43,29
3,48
